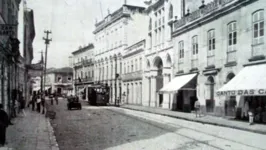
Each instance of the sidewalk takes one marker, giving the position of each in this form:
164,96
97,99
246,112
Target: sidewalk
33,132
219,121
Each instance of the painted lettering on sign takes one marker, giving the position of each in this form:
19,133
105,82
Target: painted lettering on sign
249,92
7,30
210,7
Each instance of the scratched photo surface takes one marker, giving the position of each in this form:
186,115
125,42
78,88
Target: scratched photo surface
132,75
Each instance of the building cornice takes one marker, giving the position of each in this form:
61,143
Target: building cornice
200,17
83,49
122,12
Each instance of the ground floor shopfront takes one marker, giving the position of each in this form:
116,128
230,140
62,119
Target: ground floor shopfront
229,92
132,92
9,80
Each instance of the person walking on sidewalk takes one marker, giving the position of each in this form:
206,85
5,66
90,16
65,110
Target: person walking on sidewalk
56,98
33,101
4,122
43,103
197,108
39,103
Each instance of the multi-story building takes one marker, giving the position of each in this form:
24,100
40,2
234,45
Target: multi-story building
59,81
159,51
220,41
111,38
29,35
133,73
9,51
83,65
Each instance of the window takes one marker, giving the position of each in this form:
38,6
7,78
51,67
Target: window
195,45
211,40
258,27
125,70
232,34
136,64
69,78
140,64
128,68
232,40
181,49
132,66
258,33
59,79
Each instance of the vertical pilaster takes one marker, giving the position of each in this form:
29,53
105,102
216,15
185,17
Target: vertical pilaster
153,91
166,97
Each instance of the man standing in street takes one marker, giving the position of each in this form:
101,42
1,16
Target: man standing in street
4,122
197,108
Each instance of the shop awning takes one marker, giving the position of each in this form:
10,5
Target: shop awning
47,87
177,83
36,88
250,81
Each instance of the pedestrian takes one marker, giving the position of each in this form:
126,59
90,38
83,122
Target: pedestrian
43,104
197,108
56,99
52,99
39,103
22,106
4,122
33,102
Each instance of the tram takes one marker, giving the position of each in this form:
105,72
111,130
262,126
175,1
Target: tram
98,95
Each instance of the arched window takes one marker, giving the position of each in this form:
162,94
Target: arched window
170,12
258,32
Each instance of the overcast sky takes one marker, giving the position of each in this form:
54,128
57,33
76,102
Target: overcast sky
71,23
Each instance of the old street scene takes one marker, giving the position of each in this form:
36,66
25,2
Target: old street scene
132,75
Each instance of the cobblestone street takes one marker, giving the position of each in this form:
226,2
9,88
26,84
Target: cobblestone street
97,128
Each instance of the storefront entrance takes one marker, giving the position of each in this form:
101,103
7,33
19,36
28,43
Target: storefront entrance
257,105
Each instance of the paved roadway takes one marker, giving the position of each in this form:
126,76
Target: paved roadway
109,128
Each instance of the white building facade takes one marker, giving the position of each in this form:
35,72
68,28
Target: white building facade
111,38
213,44
83,67
133,73
159,52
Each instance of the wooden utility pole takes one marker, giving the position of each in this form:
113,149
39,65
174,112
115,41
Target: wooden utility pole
47,42
42,73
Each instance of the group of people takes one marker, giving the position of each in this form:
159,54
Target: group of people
37,100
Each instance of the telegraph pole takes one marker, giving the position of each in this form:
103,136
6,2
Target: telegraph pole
42,73
47,42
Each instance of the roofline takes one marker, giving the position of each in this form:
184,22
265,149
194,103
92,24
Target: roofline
83,49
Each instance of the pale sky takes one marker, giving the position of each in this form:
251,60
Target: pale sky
71,23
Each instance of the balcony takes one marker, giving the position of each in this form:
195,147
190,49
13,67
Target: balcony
87,62
83,80
132,76
78,64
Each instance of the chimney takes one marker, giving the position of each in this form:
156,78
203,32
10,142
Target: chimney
125,2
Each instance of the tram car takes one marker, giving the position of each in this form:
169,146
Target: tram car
98,95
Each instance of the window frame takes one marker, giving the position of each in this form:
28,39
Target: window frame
195,45
211,41
181,50
258,23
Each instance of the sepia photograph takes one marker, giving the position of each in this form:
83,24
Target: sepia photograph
132,75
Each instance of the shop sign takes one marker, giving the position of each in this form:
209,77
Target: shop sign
7,29
210,7
250,92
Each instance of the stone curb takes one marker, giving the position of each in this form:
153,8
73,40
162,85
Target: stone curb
199,121
53,142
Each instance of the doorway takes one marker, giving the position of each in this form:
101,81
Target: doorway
179,101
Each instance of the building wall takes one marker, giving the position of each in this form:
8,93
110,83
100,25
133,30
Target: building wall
110,43
8,79
133,73
223,65
159,51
